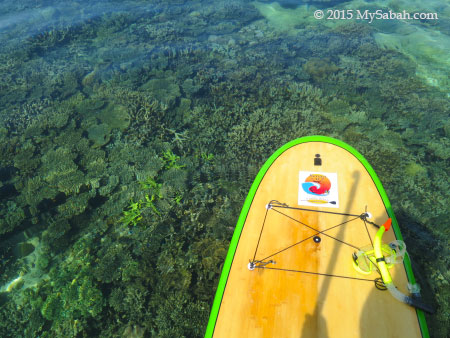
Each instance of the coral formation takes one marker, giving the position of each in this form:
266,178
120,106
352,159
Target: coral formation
129,138
99,134
318,69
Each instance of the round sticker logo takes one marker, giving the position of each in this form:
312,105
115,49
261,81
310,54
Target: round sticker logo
316,184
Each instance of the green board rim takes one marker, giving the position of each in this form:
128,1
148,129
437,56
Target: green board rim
249,199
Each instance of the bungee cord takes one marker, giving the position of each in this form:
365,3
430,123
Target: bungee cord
274,205
379,263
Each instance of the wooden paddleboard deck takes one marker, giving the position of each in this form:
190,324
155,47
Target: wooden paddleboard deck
303,283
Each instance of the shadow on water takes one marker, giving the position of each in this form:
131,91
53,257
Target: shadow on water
317,316
427,249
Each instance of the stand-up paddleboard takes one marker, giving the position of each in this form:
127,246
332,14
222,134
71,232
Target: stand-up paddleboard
314,253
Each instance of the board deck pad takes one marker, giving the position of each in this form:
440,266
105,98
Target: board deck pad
304,284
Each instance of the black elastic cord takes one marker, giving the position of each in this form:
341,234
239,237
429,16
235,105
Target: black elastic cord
367,229
284,206
305,239
322,232
317,273
364,218
260,233
379,284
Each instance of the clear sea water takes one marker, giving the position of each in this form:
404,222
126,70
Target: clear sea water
131,131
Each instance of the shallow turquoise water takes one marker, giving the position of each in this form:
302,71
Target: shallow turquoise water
131,132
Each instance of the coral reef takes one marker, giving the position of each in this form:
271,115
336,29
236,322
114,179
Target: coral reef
129,137
318,69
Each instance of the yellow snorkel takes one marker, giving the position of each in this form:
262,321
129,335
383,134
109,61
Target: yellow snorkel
386,276
381,262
